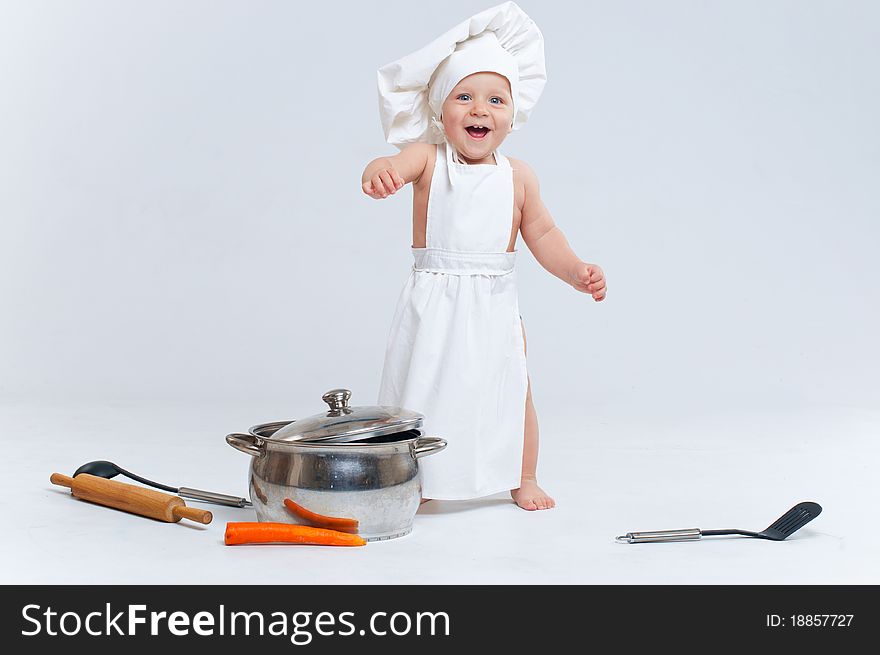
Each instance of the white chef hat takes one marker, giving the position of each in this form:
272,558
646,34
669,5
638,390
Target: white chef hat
501,40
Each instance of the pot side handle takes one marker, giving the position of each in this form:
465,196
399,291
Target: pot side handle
246,443
428,446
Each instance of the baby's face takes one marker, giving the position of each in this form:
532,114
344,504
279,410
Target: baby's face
477,115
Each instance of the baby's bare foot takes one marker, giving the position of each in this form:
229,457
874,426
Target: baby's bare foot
530,496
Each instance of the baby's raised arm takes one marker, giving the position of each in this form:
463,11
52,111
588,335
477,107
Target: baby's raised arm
549,245
386,175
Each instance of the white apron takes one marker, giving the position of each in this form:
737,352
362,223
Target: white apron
455,351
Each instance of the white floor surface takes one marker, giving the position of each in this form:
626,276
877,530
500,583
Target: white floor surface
611,470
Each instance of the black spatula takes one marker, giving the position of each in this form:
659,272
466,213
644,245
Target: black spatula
786,525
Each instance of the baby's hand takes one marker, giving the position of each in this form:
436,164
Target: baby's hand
589,278
383,184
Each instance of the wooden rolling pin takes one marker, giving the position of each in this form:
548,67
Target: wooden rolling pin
130,498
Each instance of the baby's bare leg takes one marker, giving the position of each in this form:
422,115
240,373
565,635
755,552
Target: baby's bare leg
529,495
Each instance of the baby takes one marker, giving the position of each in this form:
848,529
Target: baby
456,349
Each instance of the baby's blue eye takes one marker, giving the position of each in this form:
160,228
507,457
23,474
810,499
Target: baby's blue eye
499,100
464,96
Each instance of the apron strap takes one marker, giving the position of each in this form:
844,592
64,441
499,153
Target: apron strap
451,156
452,159
441,133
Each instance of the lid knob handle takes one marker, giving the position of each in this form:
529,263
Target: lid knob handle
337,399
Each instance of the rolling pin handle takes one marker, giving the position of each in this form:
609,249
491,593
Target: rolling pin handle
61,480
193,514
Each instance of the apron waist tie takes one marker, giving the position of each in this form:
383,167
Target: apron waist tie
456,262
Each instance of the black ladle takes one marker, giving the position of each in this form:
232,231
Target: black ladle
104,469
786,525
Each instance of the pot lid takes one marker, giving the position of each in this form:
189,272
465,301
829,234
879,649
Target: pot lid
343,423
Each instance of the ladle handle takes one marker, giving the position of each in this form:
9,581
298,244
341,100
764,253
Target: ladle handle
213,497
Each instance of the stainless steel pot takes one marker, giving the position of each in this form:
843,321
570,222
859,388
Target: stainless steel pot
354,463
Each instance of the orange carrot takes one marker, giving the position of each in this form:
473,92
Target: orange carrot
321,521
269,533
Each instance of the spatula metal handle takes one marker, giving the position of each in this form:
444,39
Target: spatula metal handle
690,534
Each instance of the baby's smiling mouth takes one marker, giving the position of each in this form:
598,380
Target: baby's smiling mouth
477,132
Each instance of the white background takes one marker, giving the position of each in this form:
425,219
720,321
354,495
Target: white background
185,251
